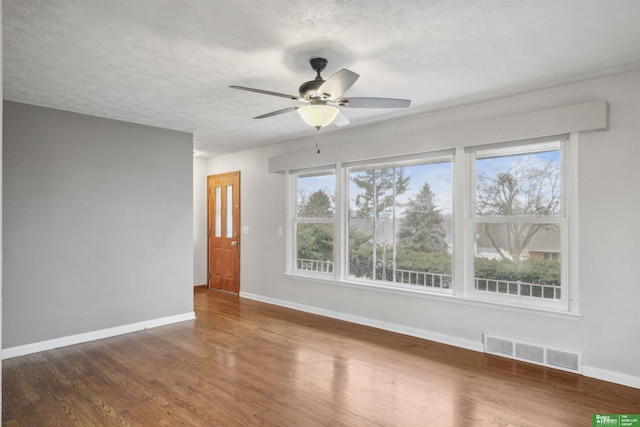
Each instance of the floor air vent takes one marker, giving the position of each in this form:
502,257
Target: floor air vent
534,353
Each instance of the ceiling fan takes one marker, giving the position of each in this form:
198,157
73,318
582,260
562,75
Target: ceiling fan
324,97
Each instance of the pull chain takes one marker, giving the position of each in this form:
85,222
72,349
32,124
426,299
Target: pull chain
317,148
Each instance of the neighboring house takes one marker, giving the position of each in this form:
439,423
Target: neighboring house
544,255
543,246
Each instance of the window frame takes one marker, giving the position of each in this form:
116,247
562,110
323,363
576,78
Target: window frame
463,283
442,156
560,219
294,221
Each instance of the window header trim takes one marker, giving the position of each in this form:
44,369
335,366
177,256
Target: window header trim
412,134
404,160
519,143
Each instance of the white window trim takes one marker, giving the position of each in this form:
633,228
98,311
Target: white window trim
569,192
572,247
291,249
341,228
396,161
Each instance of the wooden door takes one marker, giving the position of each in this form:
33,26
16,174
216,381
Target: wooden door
223,207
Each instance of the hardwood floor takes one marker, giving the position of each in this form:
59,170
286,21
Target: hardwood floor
247,363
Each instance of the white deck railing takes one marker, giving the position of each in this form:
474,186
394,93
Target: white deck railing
423,278
444,281
315,265
523,289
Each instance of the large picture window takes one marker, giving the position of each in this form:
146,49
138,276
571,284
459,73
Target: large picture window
400,223
518,221
484,223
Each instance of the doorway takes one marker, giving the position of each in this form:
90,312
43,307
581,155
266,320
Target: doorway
223,226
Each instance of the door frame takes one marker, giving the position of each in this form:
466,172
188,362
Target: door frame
209,221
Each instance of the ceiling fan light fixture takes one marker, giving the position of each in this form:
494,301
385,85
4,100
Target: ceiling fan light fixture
318,115
319,92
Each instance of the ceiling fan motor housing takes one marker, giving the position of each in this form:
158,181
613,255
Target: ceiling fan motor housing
308,90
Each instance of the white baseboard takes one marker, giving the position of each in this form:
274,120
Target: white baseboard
392,327
587,371
95,335
611,376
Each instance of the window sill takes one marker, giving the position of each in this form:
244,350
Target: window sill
439,296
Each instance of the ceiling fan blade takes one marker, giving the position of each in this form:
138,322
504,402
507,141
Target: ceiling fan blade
373,102
341,119
266,92
277,112
337,84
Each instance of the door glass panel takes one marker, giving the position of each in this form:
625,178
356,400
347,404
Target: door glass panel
229,211
218,227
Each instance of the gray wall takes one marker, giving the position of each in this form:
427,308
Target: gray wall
608,330
98,224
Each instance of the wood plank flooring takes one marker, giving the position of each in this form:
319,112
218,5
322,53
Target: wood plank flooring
244,363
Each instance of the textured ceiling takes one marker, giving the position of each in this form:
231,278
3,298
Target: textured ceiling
169,63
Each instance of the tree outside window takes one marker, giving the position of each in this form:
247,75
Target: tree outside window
315,222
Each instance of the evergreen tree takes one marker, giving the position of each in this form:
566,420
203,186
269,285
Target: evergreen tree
381,187
421,229
360,258
315,241
317,205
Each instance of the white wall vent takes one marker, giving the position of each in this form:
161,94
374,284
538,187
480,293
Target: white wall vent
564,360
498,346
530,353
534,353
